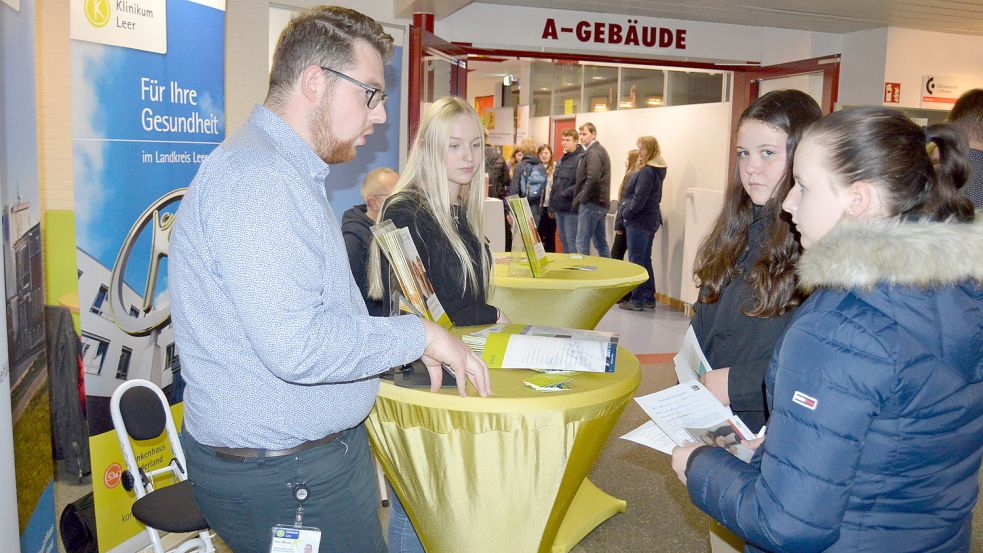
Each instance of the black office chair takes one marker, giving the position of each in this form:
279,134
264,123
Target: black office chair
140,412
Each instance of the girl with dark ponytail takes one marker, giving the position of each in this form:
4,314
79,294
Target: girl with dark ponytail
876,388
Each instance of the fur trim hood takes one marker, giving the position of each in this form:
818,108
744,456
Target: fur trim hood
861,254
656,161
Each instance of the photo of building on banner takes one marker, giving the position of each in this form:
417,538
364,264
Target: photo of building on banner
532,244
147,109
27,393
404,259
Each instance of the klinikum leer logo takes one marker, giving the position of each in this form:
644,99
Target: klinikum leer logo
97,12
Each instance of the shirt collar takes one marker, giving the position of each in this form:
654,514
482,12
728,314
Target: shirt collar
290,143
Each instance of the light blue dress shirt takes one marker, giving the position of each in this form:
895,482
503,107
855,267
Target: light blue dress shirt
276,345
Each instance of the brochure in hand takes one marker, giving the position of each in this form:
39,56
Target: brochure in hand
404,259
688,412
531,241
545,348
691,363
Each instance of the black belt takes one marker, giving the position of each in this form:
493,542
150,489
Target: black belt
242,454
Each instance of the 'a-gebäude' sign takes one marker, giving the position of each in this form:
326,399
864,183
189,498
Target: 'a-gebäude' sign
629,33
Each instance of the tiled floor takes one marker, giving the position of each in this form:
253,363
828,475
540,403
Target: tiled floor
645,332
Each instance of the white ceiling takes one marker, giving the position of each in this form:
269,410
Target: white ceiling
831,16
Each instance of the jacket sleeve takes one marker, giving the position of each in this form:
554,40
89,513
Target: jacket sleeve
745,385
648,187
593,167
358,259
795,500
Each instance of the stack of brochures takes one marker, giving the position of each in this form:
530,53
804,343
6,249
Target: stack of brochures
688,412
545,348
531,241
404,259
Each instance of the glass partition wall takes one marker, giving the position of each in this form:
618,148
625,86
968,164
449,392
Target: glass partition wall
565,88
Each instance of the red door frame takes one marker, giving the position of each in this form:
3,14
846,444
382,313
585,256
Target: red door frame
747,87
422,43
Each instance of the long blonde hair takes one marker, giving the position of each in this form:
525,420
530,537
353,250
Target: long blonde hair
425,179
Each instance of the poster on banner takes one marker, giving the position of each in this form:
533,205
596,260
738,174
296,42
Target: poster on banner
27,413
501,130
942,91
521,123
144,117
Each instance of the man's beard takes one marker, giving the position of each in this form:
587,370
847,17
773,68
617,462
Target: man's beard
326,145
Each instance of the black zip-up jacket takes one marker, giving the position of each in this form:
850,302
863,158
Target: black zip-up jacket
565,181
730,338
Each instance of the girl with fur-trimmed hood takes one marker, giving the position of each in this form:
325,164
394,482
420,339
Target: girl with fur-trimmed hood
876,388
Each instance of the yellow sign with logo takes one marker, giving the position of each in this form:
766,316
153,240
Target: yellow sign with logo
97,12
113,503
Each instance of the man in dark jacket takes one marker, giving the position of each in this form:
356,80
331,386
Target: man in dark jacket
564,187
498,173
593,193
356,226
498,182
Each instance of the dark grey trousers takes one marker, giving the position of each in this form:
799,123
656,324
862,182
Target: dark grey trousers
242,501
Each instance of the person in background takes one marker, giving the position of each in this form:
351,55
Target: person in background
498,171
547,220
593,193
619,246
746,264
967,117
515,160
564,188
268,319
642,217
356,226
439,199
876,428
529,178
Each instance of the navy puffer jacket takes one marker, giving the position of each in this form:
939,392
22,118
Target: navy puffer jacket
876,396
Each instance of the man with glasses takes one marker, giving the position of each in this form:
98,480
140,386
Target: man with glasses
278,351
356,225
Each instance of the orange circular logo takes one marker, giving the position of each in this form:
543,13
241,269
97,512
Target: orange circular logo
112,476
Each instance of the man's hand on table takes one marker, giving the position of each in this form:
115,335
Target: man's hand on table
444,348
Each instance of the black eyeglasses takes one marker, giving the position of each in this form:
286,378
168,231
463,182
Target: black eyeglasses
374,95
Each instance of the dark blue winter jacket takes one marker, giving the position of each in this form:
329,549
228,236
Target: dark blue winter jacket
876,396
640,202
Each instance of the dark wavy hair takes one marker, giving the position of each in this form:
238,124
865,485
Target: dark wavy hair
886,148
772,279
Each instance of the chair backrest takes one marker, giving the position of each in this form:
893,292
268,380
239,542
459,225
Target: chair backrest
141,412
143,415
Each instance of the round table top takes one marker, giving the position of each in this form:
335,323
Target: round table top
567,271
511,395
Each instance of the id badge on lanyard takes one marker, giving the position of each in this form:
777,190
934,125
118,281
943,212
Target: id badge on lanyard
296,538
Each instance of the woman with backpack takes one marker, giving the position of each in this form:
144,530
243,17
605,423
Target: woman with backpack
529,178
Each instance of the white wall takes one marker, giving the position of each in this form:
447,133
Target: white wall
695,141
483,86
862,68
911,54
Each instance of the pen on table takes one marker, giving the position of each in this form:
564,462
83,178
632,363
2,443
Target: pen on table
761,433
